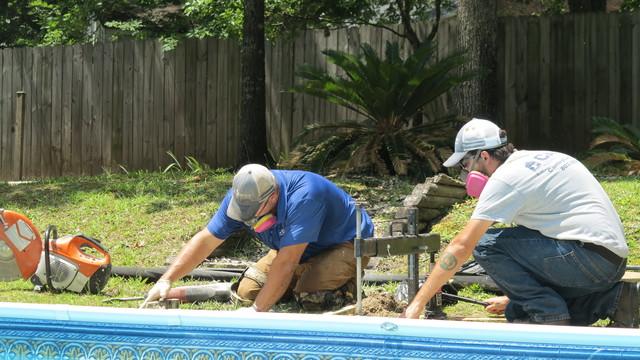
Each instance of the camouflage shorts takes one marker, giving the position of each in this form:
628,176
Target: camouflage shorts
327,300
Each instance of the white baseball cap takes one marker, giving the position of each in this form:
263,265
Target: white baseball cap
474,135
252,186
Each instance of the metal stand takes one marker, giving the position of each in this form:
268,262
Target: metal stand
409,243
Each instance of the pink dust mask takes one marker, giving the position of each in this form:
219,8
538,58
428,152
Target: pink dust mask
475,182
265,223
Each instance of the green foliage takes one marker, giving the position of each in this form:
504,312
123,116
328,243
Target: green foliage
191,164
614,142
54,22
630,5
387,93
555,7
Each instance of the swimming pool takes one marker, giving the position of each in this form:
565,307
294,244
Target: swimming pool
32,331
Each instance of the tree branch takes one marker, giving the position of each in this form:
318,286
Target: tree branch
434,29
404,7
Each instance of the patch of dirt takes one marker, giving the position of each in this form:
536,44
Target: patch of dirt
381,304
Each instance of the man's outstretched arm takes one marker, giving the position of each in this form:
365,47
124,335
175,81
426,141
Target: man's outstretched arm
452,258
279,277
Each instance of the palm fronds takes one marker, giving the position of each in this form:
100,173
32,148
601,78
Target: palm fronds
387,92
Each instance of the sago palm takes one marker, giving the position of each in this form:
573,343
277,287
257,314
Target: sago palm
387,93
612,142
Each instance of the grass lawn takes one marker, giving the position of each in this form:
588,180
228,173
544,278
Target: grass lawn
143,218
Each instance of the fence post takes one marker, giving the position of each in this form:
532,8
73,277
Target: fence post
17,131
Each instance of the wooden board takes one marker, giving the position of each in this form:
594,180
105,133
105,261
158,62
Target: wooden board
212,96
107,106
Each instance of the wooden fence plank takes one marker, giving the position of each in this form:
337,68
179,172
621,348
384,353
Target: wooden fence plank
45,152
147,118
180,102
233,105
5,107
545,73
95,144
625,67
568,110
635,71
332,44
590,66
614,69
87,109
532,114
579,71
34,169
510,79
67,105
602,57
168,115
107,105
158,151
522,128
138,105
212,110
191,61
128,110
56,110
500,79
118,107
200,124
269,51
221,100
18,126
76,109
17,113
557,81
286,96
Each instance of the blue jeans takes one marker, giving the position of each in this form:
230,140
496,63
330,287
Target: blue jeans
549,280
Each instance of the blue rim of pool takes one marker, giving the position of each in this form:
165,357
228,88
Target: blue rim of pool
80,332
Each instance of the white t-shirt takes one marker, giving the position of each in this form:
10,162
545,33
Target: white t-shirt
555,194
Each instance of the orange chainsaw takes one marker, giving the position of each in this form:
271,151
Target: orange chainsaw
75,263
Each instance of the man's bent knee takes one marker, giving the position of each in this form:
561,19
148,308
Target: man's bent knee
249,285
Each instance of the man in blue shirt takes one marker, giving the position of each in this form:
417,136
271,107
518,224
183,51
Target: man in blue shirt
308,223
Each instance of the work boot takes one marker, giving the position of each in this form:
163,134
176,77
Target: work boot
627,314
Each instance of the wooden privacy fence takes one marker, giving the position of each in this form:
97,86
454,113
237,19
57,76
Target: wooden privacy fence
81,109
94,107
556,73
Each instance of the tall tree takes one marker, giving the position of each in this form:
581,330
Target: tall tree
253,123
478,34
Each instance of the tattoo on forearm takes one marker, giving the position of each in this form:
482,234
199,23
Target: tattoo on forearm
448,261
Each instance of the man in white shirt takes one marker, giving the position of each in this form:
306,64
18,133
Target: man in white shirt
562,262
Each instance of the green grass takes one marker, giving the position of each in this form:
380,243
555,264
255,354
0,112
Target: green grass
143,218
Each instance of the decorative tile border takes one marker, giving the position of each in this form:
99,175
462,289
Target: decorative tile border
63,339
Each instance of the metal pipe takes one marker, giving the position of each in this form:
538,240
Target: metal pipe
412,259
358,254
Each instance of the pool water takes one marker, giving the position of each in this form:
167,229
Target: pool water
33,331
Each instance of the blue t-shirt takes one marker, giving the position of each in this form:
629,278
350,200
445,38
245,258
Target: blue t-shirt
311,209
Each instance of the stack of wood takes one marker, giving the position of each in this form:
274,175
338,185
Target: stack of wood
433,199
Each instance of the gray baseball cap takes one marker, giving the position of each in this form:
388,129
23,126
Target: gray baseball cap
252,186
474,135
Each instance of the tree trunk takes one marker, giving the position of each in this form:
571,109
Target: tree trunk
582,6
252,145
478,34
